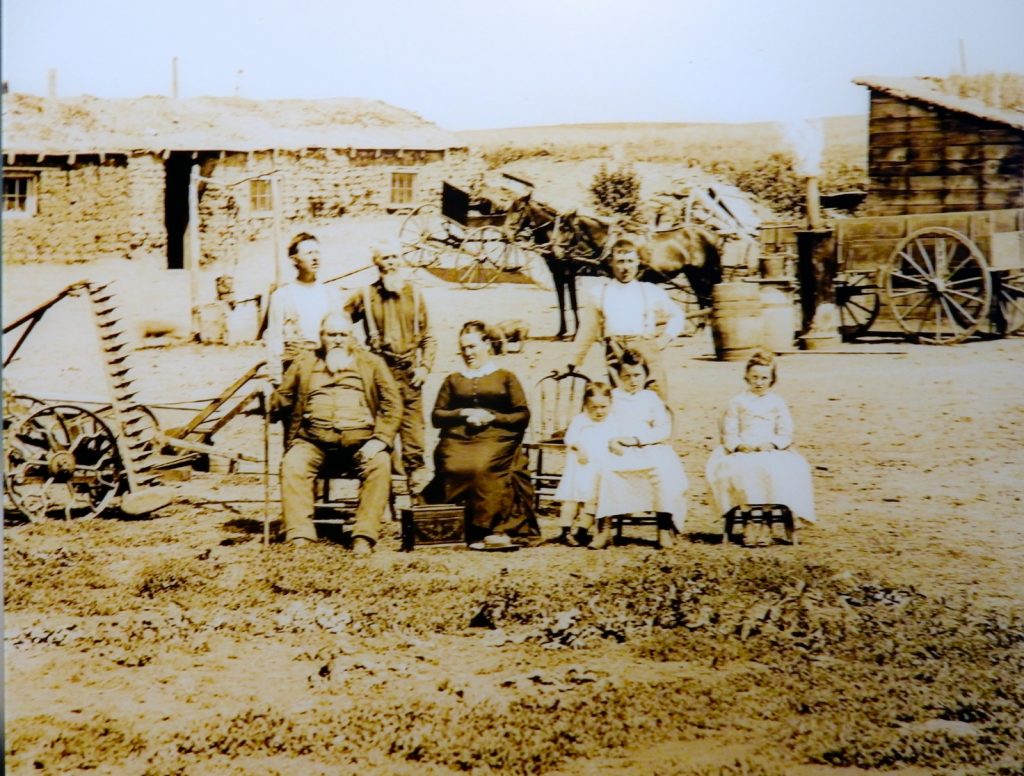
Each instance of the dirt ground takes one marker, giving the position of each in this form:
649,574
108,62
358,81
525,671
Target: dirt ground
891,638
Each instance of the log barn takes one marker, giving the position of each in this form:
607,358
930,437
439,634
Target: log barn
934,152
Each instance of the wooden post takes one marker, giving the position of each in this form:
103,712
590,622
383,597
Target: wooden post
275,197
194,246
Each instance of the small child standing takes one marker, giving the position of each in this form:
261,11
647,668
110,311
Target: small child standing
587,443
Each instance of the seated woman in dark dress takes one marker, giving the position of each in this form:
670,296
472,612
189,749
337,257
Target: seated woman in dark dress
479,461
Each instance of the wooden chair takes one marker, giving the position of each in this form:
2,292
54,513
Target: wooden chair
557,399
760,517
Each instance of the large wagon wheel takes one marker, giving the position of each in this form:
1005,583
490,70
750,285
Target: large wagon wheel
1008,301
426,236
61,461
858,302
481,258
679,289
938,286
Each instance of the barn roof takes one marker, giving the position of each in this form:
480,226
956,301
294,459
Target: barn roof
928,91
44,125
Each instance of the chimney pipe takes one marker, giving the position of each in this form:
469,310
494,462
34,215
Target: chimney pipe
51,82
174,78
813,203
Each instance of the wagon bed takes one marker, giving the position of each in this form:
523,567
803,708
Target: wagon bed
943,276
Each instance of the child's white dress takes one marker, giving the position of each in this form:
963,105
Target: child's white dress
579,480
649,478
779,476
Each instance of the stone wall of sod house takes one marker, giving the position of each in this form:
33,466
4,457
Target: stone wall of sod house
315,187
83,210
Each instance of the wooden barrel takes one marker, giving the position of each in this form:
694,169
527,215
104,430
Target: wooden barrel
736,326
778,319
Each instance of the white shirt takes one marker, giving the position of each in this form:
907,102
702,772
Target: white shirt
295,313
633,309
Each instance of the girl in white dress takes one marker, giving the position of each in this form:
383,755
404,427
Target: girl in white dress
754,464
643,472
586,441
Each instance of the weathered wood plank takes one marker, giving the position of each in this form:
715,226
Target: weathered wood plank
979,167
941,139
946,183
927,123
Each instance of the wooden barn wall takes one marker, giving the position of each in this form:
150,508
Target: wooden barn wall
924,159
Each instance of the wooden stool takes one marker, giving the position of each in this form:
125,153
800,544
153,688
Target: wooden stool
764,516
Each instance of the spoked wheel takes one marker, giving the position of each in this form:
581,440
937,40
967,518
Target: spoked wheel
426,236
61,461
682,293
858,302
517,255
938,286
482,257
1008,303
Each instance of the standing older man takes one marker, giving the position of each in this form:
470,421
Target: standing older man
342,408
624,312
296,309
397,329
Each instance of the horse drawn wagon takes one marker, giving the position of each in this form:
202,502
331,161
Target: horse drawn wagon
478,235
941,277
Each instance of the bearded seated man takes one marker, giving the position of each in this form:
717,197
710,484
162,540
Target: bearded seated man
343,409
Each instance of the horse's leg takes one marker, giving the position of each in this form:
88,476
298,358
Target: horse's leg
570,281
559,277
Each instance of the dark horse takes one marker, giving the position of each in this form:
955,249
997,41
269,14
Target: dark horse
687,259
565,252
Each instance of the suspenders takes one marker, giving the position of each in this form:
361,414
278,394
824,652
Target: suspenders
648,324
373,330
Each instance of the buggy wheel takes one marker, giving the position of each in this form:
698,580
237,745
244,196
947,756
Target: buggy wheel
682,294
482,257
426,236
938,286
1008,302
858,302
62,461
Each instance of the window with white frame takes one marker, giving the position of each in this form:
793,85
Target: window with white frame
20,193
403,188
261,195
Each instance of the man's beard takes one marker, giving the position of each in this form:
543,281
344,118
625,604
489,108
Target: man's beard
338,359
392,282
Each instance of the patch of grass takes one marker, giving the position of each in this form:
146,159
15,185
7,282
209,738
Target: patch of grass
46,744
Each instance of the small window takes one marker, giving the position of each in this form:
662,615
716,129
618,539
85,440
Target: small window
20,193
403,186
261,195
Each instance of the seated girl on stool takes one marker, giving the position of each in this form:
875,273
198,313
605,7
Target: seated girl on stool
754,464
587,448
643,472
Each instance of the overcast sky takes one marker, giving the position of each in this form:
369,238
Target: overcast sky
469,64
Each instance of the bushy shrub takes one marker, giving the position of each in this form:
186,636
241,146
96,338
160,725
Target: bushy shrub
616,191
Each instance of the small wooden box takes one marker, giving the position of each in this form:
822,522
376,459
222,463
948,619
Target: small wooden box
433,524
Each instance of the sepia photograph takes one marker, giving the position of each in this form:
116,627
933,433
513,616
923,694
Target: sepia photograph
555,387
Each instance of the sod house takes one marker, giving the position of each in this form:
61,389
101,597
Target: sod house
87,178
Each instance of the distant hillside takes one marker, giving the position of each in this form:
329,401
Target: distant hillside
756,157
845,141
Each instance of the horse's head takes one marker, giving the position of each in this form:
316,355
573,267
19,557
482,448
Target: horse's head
564,235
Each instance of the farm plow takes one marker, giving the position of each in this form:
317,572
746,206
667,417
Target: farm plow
70,458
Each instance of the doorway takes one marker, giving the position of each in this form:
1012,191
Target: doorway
177,168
